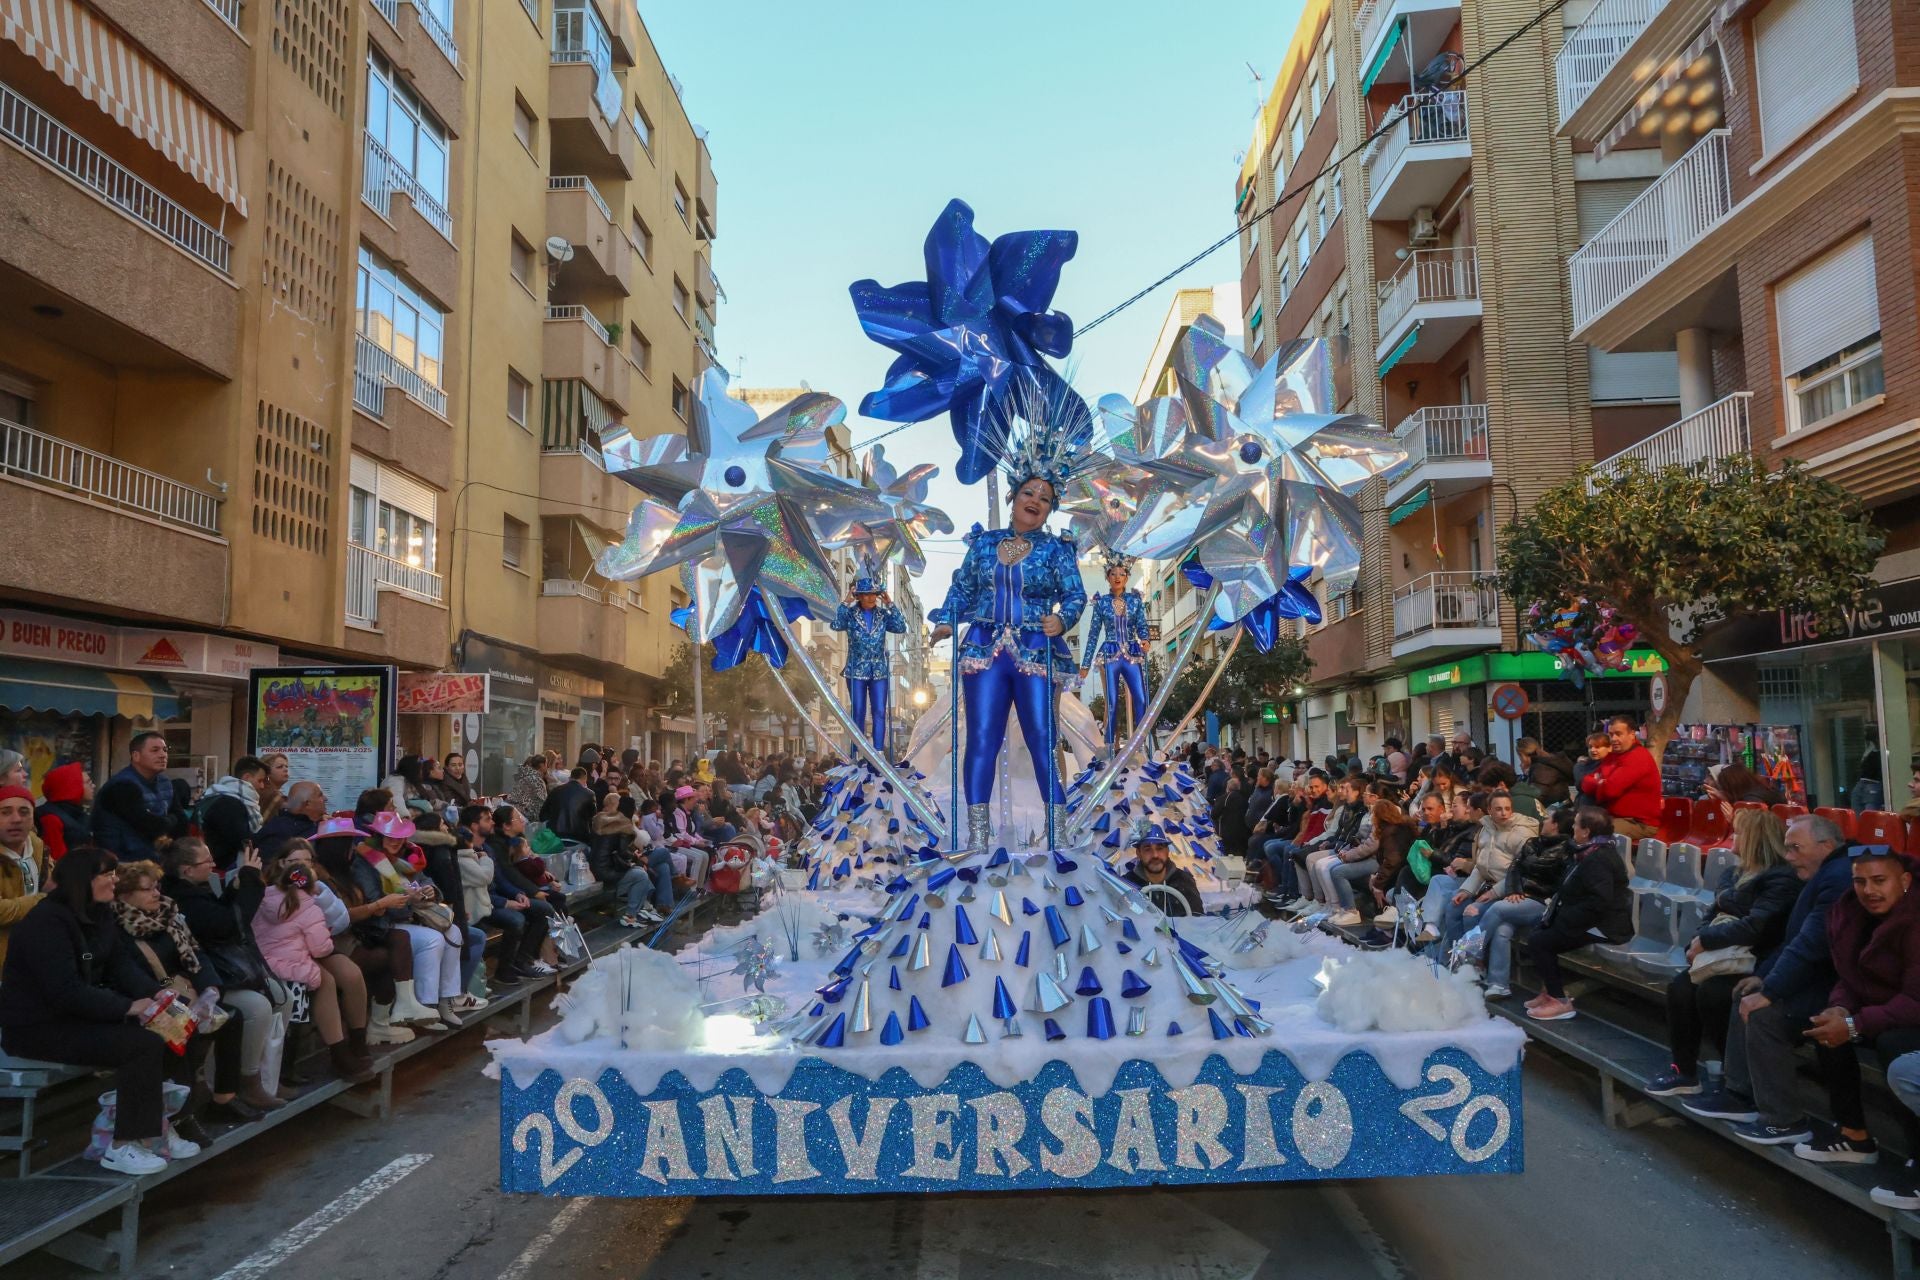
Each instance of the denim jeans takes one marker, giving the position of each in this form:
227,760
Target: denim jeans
471,954
1350,878
660,871
1278,852
1499,920
633,890
1440,891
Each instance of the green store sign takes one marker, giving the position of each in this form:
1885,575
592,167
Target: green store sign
1501,667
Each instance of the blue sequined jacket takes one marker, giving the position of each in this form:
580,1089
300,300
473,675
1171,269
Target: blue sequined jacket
867,631
1126,631
1002,606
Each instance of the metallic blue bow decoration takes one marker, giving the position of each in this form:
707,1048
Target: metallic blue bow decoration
755,631
974,330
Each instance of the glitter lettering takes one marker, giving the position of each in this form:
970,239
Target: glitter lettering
1134,1145
729,1142
1259,1149
666,1145
1001,1122
1199,1114
861,1151
1068,1116
790,1163
935,1153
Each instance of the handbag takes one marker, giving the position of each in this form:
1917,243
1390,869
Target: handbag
177,983
437,916
1420,861
239,967
1734,961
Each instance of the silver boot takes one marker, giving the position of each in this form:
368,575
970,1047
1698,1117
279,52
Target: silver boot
979,826
1061,818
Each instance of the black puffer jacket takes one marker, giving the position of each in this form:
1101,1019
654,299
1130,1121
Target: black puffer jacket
1539,867
1762,904
1594,894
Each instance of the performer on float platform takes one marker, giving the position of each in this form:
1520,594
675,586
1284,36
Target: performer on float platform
1122,615
1019,591
869,616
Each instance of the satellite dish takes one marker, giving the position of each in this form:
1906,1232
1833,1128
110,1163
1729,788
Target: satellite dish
559,249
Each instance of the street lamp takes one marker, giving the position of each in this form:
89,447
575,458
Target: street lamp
921,697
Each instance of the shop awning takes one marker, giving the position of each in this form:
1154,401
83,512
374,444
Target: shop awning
66,38
1411,505
572,416
1686,65
50,686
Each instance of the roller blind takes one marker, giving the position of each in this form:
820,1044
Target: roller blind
1601,202
1805,62
1632,375
395,488
1826,306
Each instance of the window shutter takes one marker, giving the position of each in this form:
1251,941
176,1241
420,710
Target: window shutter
1632,375
364,472
1805,62
1601,202
1826,306
403,491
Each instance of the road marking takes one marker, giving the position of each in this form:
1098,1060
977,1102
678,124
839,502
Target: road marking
306,1232
523,1264
1347,1211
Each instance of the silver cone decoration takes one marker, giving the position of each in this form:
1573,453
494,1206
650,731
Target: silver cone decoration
974,1034
1011,1029
922,952
1151,960
1047,883
1113,917
990,949
1089,940
1255,1023
999,910
1045,996
1197,991
1017,870
1230,999
861,1018
1061,971
1137,1020
966,894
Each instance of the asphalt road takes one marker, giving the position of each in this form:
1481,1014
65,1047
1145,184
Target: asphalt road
334,1197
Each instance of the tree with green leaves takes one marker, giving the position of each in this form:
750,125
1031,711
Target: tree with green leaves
1683,551
732,695
1251,680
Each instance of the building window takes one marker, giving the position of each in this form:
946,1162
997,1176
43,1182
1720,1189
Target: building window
1327,63
680,298
1255,318
405,129
525,127
643,128
1339,192
680,203
1344,306
391,513
643,239
1297,136
513,542
533,9
1828,316
1313,95
1805,64
1320,213
642,351
16,400
520,261
1253,238
519,394
1304,239
680,399
579,35
397,318
1284,288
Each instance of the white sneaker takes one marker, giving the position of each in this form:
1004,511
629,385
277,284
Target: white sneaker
132,1159
1390,915
1428,934
1498,992
178,1148
465,1002
1345,919
542,968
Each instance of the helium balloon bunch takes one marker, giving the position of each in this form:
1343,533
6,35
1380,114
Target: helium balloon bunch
1587,637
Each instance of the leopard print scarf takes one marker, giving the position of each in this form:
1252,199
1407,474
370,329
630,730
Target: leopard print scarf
166,919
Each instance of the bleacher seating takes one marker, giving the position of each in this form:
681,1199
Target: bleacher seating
1708,823
1648,865
1842,818
1652,933
1788,812
1683,876
1875,827
1676,817
1719,862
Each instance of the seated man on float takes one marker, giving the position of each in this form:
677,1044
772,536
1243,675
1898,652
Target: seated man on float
1153,865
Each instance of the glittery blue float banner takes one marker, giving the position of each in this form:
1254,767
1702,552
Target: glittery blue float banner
833,1132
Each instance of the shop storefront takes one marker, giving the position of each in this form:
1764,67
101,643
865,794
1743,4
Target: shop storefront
573,712
508,733
1853,694
1500,698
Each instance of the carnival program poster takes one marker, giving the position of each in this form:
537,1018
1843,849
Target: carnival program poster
334,725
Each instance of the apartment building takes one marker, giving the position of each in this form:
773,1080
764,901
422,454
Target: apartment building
1434,248
1768,240
296,301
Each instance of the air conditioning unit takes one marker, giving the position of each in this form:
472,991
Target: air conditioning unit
1421,227
1363,706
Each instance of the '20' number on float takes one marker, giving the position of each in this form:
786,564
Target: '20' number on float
536,1130
1459,1090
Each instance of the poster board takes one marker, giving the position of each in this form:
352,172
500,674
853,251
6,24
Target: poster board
335,725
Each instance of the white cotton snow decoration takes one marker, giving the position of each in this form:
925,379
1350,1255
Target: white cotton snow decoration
1397,991
583,1006
663,1002
1244,944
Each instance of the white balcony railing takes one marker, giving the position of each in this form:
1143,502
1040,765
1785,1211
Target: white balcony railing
98,478
390,10
1456,599
1718,431
229,11
375,369
385,175
1593,48
1420,120
1444,433
437,30
573,311
369,573
1683,204
1431,275
1366,21
47,140
573,182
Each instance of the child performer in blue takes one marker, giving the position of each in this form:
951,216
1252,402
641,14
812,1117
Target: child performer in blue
1122,616
1019,592
868,617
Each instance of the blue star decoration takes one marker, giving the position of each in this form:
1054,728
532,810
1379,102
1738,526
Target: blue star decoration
975,330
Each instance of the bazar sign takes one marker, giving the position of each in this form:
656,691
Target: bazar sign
25,634
426,693
832,1131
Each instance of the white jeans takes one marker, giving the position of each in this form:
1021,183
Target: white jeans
1320,876
436,963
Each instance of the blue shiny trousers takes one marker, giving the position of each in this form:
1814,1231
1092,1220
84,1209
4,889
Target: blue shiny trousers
990,694
869,700
1124,673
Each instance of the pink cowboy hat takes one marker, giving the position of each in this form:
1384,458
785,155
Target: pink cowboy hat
337,826
391,825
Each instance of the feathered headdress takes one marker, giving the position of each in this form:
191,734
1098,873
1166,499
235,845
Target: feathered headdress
1111,560
1045,433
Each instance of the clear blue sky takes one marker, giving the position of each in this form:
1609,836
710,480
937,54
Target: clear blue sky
840,129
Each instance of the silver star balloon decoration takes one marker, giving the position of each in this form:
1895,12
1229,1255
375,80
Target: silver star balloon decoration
909,516
1253,469
743,501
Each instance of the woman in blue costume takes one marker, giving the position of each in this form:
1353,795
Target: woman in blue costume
867,618
1018,592
1121,616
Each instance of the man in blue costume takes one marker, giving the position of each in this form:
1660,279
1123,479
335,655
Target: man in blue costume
868,617
1121,616
1018,592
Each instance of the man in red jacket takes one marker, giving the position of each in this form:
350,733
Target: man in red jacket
1874,937
1627,783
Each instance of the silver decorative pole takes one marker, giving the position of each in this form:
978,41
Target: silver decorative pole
1220,667
805,716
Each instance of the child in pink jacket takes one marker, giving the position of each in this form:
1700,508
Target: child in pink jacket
292,933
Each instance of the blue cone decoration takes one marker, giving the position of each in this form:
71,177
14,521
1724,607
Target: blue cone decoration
899,884
900,947
1112,841
1003,1005
1103,823
1089,983
893,979
1026,945
813,879
1064,864
1173,1029
1221,1031
819,1007
941,879
843,869
891,1033
836,1035
916,1016
1123,808
963,928
926,920
1123,948
1073,896
1027,908
969,875
1127,930
834,990
1000,858
1053,1030
1057,928
1240,1029
1099,1018
1132,985
956,967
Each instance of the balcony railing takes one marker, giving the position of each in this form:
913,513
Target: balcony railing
390,10
1423,119
375,369
437,31
1444,433
229,11
1718,431
1431,275
1683,204
573,311
573,182
385,175
1456,599
1593,48
49,141
369,573
98,478
1366,21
